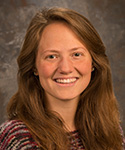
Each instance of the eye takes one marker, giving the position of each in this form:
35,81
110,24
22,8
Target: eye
77,54
51,57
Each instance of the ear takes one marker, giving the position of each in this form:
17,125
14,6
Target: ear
35,72
93,68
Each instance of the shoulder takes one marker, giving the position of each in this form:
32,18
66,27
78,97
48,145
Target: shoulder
122,134
15,135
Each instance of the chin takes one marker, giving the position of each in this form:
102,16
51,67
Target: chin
68,98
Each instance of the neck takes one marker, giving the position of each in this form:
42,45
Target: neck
66,109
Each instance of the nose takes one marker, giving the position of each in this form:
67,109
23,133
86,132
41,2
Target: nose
65,66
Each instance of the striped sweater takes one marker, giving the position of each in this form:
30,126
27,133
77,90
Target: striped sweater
14,135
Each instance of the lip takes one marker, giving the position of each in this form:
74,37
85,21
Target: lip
69,81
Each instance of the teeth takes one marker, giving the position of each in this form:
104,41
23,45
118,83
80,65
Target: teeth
66,80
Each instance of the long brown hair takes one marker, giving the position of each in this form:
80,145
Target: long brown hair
97,117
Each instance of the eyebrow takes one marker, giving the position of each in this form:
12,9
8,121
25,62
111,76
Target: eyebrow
49,50
56,51
77,48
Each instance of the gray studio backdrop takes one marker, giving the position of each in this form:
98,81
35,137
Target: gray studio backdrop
106,15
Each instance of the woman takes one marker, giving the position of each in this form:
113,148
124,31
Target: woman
65,98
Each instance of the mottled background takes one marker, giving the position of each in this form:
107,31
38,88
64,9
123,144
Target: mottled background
108,17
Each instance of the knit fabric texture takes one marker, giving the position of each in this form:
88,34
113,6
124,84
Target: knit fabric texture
14,135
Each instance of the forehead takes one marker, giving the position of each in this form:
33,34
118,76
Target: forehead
58,33
57,29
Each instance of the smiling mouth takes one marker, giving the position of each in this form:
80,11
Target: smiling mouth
66,81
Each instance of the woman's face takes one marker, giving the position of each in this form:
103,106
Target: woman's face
63,63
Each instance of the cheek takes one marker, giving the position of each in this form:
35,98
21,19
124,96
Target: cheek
44,70
84,67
